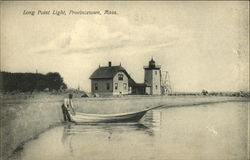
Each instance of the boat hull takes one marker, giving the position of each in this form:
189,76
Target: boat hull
109,118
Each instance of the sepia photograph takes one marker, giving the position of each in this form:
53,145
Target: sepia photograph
124,80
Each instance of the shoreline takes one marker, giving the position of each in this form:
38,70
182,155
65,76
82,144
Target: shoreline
33,116
204,103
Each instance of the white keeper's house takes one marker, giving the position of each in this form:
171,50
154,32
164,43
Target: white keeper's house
110,80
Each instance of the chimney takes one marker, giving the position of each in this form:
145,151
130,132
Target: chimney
109,63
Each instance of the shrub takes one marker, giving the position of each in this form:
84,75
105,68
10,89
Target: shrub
28,82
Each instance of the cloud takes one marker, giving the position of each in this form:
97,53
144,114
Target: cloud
105,33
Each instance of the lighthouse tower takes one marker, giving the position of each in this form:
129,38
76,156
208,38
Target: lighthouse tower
152,78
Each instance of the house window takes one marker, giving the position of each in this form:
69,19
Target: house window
120,77
116,85
155,72
124,85
156,87
108,86
96,86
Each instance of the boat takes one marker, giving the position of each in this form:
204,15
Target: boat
109,118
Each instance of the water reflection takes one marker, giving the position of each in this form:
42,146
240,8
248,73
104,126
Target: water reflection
153,119
72,129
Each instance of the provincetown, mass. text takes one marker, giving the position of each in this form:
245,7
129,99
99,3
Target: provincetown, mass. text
69,12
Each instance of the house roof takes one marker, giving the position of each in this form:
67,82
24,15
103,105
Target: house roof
110,72
107,72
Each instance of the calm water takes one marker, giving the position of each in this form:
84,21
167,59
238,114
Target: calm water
215,131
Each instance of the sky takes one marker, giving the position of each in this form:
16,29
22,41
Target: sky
202,45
